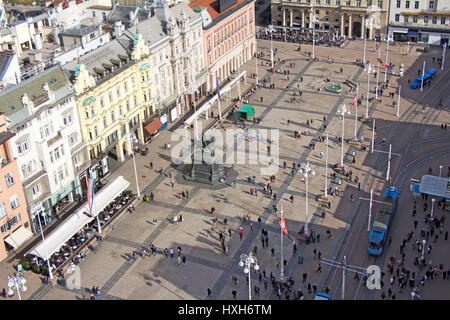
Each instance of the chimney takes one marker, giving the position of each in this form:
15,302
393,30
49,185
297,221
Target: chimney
118,28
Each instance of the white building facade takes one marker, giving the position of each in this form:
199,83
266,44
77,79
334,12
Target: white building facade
174,37
48,145
423,21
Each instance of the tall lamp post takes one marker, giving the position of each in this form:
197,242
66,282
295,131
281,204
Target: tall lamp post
247,261
42,213
443,56
131,138
314,20
343,110
16,281
256,63
387,56
270,29
307,170
369,69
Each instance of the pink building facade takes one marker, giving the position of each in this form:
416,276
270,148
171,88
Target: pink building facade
229,39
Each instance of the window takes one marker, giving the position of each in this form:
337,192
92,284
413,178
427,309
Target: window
73,138
45,131
67,118
347,2
128,105
112,116
369,3
416,5
317,12
102,104
425,19
338,2
135,101
118,92
22,146
327,2
96,132
431,6
442,20
380,4
415,19
36,190
398,3
407,4
92,111
61,175
104,122
358,3
56,154
110,97
133,84
9,179
62,149
3,211
120,110
405,19
125,86
434,20
11,223
14,200
397,17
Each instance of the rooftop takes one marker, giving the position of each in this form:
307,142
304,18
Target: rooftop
213,7
11,97
80,30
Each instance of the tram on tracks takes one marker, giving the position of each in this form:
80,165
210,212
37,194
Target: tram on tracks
383,219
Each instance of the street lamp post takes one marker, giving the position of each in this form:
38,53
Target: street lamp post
378,71
256,63
443,56
270,29
307,169
440,170
16,281
281,248
343,110
387,56
424,242
432,207
423,74
398,102
389,163
356,112
326,167
42,213
130,139
369,69
314,20
247,261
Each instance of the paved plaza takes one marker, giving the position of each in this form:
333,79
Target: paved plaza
417,138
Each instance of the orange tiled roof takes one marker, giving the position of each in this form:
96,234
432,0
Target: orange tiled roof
213,6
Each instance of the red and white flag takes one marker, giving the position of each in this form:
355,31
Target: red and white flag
355,101
283,225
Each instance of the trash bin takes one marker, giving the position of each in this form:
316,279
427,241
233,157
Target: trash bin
300,259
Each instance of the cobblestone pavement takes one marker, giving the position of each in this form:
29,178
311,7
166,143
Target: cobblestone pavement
206,265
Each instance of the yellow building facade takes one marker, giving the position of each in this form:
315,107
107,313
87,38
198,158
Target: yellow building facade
114,98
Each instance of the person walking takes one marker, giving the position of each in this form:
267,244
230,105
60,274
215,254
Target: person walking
292,198
240,234
272,251
234,293
172,183
208,292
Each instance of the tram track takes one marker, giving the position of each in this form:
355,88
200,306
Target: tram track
408,115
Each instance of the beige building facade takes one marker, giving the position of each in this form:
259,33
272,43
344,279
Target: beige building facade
351,18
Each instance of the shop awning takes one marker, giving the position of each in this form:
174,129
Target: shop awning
154,126
80,218
18,237
435,186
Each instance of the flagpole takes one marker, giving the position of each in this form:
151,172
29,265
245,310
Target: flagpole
326,167
281,250
423,74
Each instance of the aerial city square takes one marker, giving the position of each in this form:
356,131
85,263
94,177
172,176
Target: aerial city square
224,150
